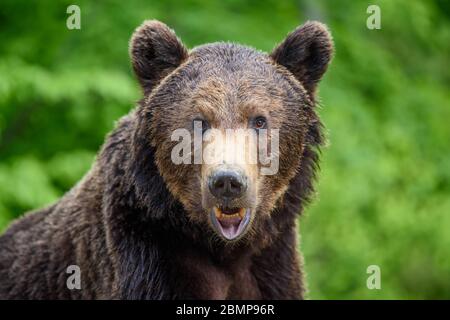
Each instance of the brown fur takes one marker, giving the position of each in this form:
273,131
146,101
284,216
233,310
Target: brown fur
135,223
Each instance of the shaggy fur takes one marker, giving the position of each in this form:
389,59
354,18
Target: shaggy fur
134,224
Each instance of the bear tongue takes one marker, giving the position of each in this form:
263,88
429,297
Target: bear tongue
230,226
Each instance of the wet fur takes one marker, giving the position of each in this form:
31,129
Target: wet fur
128,223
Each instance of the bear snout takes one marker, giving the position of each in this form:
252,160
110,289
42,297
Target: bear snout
227,184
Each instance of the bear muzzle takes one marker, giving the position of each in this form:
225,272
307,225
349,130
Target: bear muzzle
229,196
230,223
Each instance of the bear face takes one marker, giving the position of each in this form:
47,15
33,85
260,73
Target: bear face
223,87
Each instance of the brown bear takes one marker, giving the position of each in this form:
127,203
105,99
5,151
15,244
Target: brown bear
139,226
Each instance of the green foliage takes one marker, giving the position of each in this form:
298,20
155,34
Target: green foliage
383,191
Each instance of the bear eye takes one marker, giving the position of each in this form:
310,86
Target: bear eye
260,123
203,124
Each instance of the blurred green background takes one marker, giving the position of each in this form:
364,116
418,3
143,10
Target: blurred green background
384,188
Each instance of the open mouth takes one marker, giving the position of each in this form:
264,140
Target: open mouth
230,222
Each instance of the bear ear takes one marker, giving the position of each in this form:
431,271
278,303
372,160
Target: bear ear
155,51
306,53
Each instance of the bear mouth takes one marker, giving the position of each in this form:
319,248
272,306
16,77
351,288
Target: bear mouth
230,222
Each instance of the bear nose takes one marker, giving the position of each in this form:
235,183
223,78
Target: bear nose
227,185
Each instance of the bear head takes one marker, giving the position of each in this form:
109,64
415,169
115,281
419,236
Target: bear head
226,101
